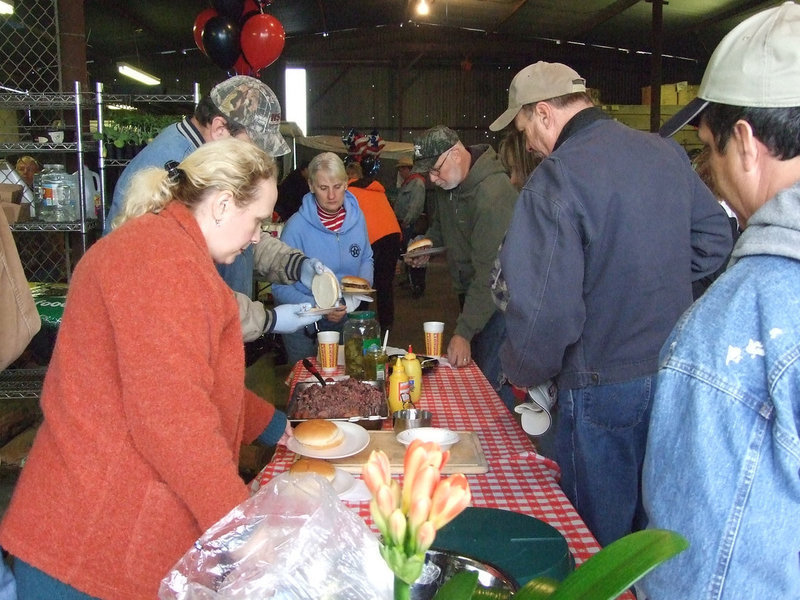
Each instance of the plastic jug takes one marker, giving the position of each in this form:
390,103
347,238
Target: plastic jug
91,187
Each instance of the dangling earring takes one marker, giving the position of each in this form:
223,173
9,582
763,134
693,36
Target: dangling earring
217,222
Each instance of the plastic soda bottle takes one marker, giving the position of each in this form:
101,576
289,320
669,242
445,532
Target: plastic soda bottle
414,371
398,387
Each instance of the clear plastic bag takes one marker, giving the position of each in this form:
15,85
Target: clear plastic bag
293,539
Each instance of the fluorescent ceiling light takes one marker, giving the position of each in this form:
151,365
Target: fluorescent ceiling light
6,8
137,74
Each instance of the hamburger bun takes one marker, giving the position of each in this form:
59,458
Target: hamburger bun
318,434
325,288
321,467
355,284
419,245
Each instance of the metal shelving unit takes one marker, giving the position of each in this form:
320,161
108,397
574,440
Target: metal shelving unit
43,257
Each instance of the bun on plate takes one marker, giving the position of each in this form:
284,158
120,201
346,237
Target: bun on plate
419,245
353,283
313,465
318,434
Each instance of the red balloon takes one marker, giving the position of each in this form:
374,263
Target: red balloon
242,67
199,24
250,6
262,40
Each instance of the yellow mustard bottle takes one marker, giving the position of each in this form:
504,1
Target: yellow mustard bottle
414,371
398,387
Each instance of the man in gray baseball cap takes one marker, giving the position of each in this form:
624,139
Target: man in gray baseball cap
470,219
725,431
608,234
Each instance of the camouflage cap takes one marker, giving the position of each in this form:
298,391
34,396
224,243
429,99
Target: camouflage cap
433,143
253,105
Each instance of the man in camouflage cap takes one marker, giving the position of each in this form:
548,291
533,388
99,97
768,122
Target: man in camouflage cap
470,220
245,108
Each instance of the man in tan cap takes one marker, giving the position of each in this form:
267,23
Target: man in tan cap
408,207
246,108
607,235
722,465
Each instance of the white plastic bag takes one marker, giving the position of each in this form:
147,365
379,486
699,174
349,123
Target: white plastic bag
293,539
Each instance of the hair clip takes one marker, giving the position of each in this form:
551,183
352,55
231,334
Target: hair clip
173,172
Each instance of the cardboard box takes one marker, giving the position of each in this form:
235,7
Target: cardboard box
669,94
11,192
16,213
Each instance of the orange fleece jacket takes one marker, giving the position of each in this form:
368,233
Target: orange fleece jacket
378,213
144,412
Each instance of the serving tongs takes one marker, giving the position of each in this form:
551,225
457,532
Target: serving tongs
313,370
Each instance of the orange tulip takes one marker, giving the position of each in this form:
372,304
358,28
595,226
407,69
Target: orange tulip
376,471
419,511
450,497
425,536
397,527
421,469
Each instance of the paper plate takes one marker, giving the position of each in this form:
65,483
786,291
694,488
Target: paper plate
356,438
425,252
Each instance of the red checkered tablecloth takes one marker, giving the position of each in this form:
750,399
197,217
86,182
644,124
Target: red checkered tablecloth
519,479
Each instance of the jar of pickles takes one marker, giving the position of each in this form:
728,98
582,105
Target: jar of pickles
361,332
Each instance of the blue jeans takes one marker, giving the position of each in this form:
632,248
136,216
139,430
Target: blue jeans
600,445
34,584
239,274
485,350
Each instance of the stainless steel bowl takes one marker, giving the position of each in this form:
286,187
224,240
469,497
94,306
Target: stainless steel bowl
442,565
410,418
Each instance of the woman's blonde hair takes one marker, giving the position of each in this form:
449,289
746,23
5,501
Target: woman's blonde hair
230,165
329,163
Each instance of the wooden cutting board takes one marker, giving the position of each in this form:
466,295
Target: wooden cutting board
465,457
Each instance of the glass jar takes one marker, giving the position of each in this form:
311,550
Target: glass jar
375,363
360,333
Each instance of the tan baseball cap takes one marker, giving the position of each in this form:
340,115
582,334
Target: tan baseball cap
253,105
757,64
536,82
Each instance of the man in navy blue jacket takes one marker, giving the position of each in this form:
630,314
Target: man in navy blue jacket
607,236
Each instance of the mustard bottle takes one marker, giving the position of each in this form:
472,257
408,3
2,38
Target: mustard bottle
414,371
398,387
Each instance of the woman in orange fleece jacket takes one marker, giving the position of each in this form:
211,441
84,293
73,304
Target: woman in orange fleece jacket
144,401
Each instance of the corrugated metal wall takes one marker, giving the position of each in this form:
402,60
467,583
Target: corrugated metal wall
401,103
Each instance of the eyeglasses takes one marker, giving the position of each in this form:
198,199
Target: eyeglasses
436,170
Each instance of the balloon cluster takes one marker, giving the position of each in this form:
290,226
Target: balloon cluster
238,35
364,149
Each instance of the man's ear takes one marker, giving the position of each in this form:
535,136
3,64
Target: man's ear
218,129
745,145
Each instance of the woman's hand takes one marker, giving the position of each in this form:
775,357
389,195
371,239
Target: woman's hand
337,314
287,435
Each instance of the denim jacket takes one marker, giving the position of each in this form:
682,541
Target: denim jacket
723,456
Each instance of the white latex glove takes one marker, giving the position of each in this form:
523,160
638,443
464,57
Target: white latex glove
310,268
288,319
351,301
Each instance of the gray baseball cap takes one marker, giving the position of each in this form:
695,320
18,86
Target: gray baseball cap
431,145
537,82
253,105
757,64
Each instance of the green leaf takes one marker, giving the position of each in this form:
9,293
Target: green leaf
458,587
619,565
537,589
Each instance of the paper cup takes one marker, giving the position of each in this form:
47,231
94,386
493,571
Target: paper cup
328,350
433,337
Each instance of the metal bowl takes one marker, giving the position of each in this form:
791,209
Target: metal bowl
409,418
442,565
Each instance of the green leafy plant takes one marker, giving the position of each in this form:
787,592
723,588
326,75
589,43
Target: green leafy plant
604,576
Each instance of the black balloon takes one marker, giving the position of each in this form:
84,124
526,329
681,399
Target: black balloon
228,8
221,41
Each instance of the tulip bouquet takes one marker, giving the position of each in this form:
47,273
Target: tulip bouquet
408,518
